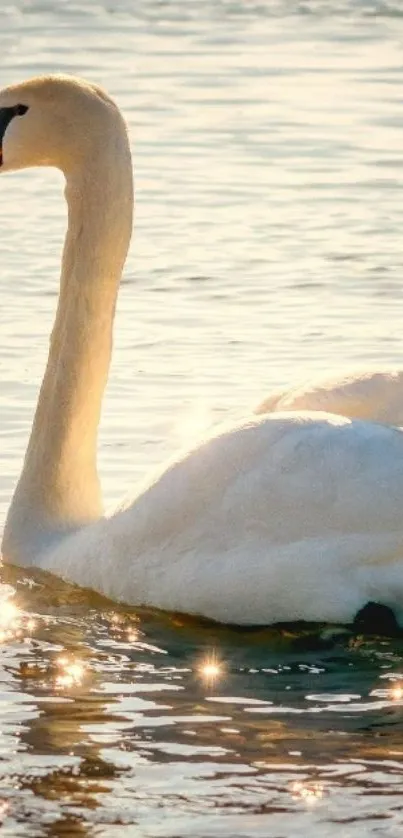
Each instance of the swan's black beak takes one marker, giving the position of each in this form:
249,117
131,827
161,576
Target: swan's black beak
6,115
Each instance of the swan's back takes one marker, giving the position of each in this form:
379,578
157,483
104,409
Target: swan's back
287,517
373,395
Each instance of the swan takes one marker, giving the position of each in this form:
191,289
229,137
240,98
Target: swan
286,516
364,394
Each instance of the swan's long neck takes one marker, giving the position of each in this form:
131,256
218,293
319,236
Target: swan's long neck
59,484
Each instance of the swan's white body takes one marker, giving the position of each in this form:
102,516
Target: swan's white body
376,395
291,516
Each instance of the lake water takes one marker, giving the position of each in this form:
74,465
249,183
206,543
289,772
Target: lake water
268,149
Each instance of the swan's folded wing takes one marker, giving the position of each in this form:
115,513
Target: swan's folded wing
288,517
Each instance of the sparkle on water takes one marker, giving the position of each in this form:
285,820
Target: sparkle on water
309,793
71,673
397,692
211,669
267,140
9,614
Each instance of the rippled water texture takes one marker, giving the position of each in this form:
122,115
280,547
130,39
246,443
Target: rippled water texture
267,140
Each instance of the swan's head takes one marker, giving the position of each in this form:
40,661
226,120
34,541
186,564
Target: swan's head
57,121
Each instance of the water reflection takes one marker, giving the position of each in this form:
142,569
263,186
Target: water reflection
130,717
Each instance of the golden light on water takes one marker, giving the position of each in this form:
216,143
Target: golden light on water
124,629
396,692
309,792
211,669
9,613
115,619
71,673
14,625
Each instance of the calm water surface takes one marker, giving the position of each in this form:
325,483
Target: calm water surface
268,141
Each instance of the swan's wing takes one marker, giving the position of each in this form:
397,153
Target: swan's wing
288,517
373,395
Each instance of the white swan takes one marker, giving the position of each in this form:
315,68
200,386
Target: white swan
291,516
367,394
